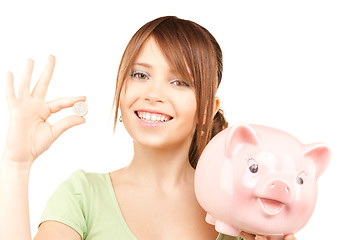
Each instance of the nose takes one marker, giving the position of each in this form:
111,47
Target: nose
155,91
278,190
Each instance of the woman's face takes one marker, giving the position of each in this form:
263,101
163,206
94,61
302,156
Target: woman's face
158,107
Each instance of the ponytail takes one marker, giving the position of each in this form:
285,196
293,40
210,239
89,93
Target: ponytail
219,123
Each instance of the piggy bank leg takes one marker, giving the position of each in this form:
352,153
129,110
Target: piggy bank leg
222,227
209,219
226,229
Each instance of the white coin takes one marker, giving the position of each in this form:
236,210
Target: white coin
80,108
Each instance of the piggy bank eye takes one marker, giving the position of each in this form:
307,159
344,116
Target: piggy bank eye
300,179
253,166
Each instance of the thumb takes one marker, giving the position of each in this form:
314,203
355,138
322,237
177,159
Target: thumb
64,124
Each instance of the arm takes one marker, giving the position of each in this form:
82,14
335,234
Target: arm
14,210
56,231
29,135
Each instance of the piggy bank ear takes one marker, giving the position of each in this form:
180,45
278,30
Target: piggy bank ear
320,154
239,135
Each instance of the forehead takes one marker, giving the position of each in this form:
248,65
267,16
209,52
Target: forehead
150,56
166,55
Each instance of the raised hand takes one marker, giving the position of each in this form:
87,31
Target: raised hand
29,133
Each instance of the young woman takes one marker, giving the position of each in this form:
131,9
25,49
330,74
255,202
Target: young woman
165,95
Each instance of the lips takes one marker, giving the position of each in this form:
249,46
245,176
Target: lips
271,207
153,117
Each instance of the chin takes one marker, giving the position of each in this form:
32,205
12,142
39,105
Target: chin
162,141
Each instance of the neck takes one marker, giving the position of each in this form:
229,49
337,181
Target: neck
163,168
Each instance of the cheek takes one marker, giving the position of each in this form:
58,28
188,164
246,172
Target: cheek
122,98
127,95
304,203
187,105
123,104
127,98
249,181
244,182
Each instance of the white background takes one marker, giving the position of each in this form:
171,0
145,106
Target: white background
293,65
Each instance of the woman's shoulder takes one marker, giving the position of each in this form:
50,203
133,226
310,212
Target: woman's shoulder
83,176
80,179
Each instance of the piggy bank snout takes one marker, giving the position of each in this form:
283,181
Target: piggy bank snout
277,190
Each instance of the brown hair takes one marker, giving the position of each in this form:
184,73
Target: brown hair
195,54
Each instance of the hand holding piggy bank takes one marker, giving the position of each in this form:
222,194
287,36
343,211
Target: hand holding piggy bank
259,180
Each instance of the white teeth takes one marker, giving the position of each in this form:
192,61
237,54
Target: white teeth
153,117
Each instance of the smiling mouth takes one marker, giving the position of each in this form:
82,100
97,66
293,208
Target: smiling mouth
153,117
271,207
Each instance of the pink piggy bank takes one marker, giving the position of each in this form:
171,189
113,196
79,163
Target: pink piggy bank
259,180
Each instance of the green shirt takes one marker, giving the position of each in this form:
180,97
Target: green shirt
87,203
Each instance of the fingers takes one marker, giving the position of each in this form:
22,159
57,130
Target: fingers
287,237
247,236
260,238
290,237
42,85
61,103
10,91
61,126
24,87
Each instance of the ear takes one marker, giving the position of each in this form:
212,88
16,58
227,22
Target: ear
216,105
239,135
320,154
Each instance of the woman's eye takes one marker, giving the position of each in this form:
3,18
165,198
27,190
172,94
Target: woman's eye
139,75
180,83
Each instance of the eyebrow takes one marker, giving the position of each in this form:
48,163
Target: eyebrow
143,65
149,66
